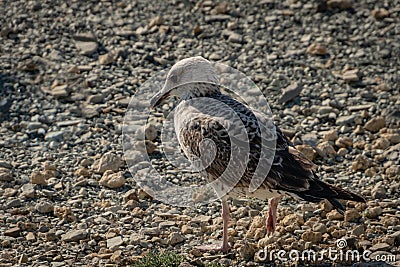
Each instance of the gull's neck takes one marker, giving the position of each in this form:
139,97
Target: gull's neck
200,90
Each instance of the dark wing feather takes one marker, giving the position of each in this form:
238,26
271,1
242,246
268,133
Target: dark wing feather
291,171
296,170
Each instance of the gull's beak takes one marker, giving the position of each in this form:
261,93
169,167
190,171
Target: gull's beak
158,98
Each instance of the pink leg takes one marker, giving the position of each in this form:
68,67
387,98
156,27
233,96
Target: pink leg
271,219
225,219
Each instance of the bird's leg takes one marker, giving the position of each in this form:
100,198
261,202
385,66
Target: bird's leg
271,219
225,220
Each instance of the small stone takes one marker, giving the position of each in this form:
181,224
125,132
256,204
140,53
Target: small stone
393,171
390,221
151,132
221,8
258,223
317,49
142,30
320,228
334,215
307,151
375,124
340,4
157,21
342,152
396,237
246,251
350,76
5,104
175,238
327,149
352,215
74,235
186,229
361,162
64,213
343,142
107,59
235,38
60,91
358,130
378,192
310,139
114,243
48,166
15,203
345,120
116,256
109,161
380,13
290,92
87,162
310,236
13,232
44,207
204,219
381,143
112,180
30,237
5,165
380,247
96,99
373,212
28,191
197,30
292,219
150,147
142,194
37,177
57,136
330,135
358,230
325,110
86,43
5,175
131,195
82,172
393,138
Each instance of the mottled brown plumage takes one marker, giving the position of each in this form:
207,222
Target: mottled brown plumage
212,126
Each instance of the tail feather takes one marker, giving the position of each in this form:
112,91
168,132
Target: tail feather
338,206
320,190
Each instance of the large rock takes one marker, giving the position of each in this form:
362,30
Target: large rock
112,180
361,163
37,177
5,175
375,124
114,243
74,235
109,161
86,43
317,49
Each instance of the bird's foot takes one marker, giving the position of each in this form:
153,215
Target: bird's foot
215,247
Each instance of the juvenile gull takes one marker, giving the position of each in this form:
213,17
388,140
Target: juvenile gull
290,173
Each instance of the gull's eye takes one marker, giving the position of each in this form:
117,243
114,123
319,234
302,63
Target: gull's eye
173,78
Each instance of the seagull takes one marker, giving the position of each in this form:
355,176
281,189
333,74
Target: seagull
206,126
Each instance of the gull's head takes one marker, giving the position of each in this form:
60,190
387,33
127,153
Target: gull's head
190,77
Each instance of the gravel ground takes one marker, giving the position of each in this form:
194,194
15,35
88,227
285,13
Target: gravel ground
330,71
